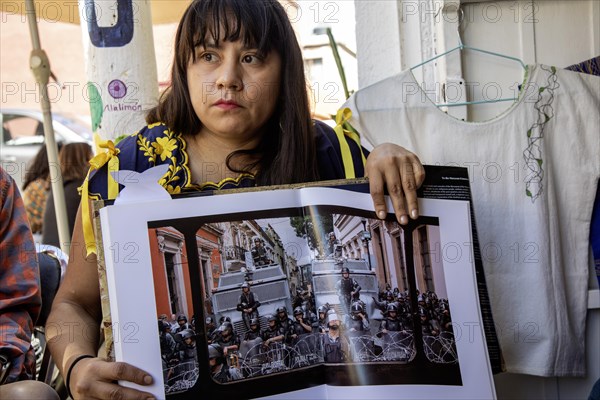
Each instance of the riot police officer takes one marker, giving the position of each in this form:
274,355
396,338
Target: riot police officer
248,304
220,372
320,325
259,253
392,321
348,289
300,326
211,329
187,348
227,339
285,322
168,346
358,321
427,327
182,323
254,331
273,332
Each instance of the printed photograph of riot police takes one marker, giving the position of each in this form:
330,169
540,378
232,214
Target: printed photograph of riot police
386,285
178,353
335,288
262,309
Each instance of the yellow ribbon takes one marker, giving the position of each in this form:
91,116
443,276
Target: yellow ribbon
343,115
106,152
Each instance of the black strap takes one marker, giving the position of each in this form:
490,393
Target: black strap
68,380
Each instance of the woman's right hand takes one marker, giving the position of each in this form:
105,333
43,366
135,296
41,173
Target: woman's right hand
95,378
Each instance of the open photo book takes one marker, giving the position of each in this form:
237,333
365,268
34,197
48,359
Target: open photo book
300,292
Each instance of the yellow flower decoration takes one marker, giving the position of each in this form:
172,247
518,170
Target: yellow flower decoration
164,147
154,125
173,189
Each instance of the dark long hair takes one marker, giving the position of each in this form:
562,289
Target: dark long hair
39,167
74,161
287,151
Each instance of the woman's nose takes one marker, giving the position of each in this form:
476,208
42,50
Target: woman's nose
229,76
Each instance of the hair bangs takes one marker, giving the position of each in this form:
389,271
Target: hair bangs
231,20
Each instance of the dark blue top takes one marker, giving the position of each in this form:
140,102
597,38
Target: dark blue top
156,145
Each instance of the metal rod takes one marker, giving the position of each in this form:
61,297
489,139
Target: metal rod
40,66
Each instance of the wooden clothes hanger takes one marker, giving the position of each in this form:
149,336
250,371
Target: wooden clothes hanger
461,46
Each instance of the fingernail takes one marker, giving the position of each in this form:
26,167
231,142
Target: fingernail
404,220
414,214
381,214
147,379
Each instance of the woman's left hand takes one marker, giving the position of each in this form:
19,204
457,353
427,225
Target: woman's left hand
401,172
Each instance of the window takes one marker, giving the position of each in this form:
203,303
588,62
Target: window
17,127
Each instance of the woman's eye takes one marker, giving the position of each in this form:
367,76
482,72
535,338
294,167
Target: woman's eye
207,57
250,59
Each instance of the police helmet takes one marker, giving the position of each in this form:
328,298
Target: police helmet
345,269
182,317
162,326
187,333
225,326
298,311
245,285
209,320
254,321
281,309
214,351
357,307
392,307
271,318
323,309
224,319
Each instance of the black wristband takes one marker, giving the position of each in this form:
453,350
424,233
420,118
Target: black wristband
68,380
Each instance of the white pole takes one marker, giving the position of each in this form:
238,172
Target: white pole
120,63
40,66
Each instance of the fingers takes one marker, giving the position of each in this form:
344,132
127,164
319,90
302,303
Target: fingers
388,176
376,185
409,186
395,186
400,171
96,379
120,371
412,175
112,391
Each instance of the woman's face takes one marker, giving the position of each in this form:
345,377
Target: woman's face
233,89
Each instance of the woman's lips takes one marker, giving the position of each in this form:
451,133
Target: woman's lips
226,104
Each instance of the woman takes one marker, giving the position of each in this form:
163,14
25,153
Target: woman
73,158
35,191
236,115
